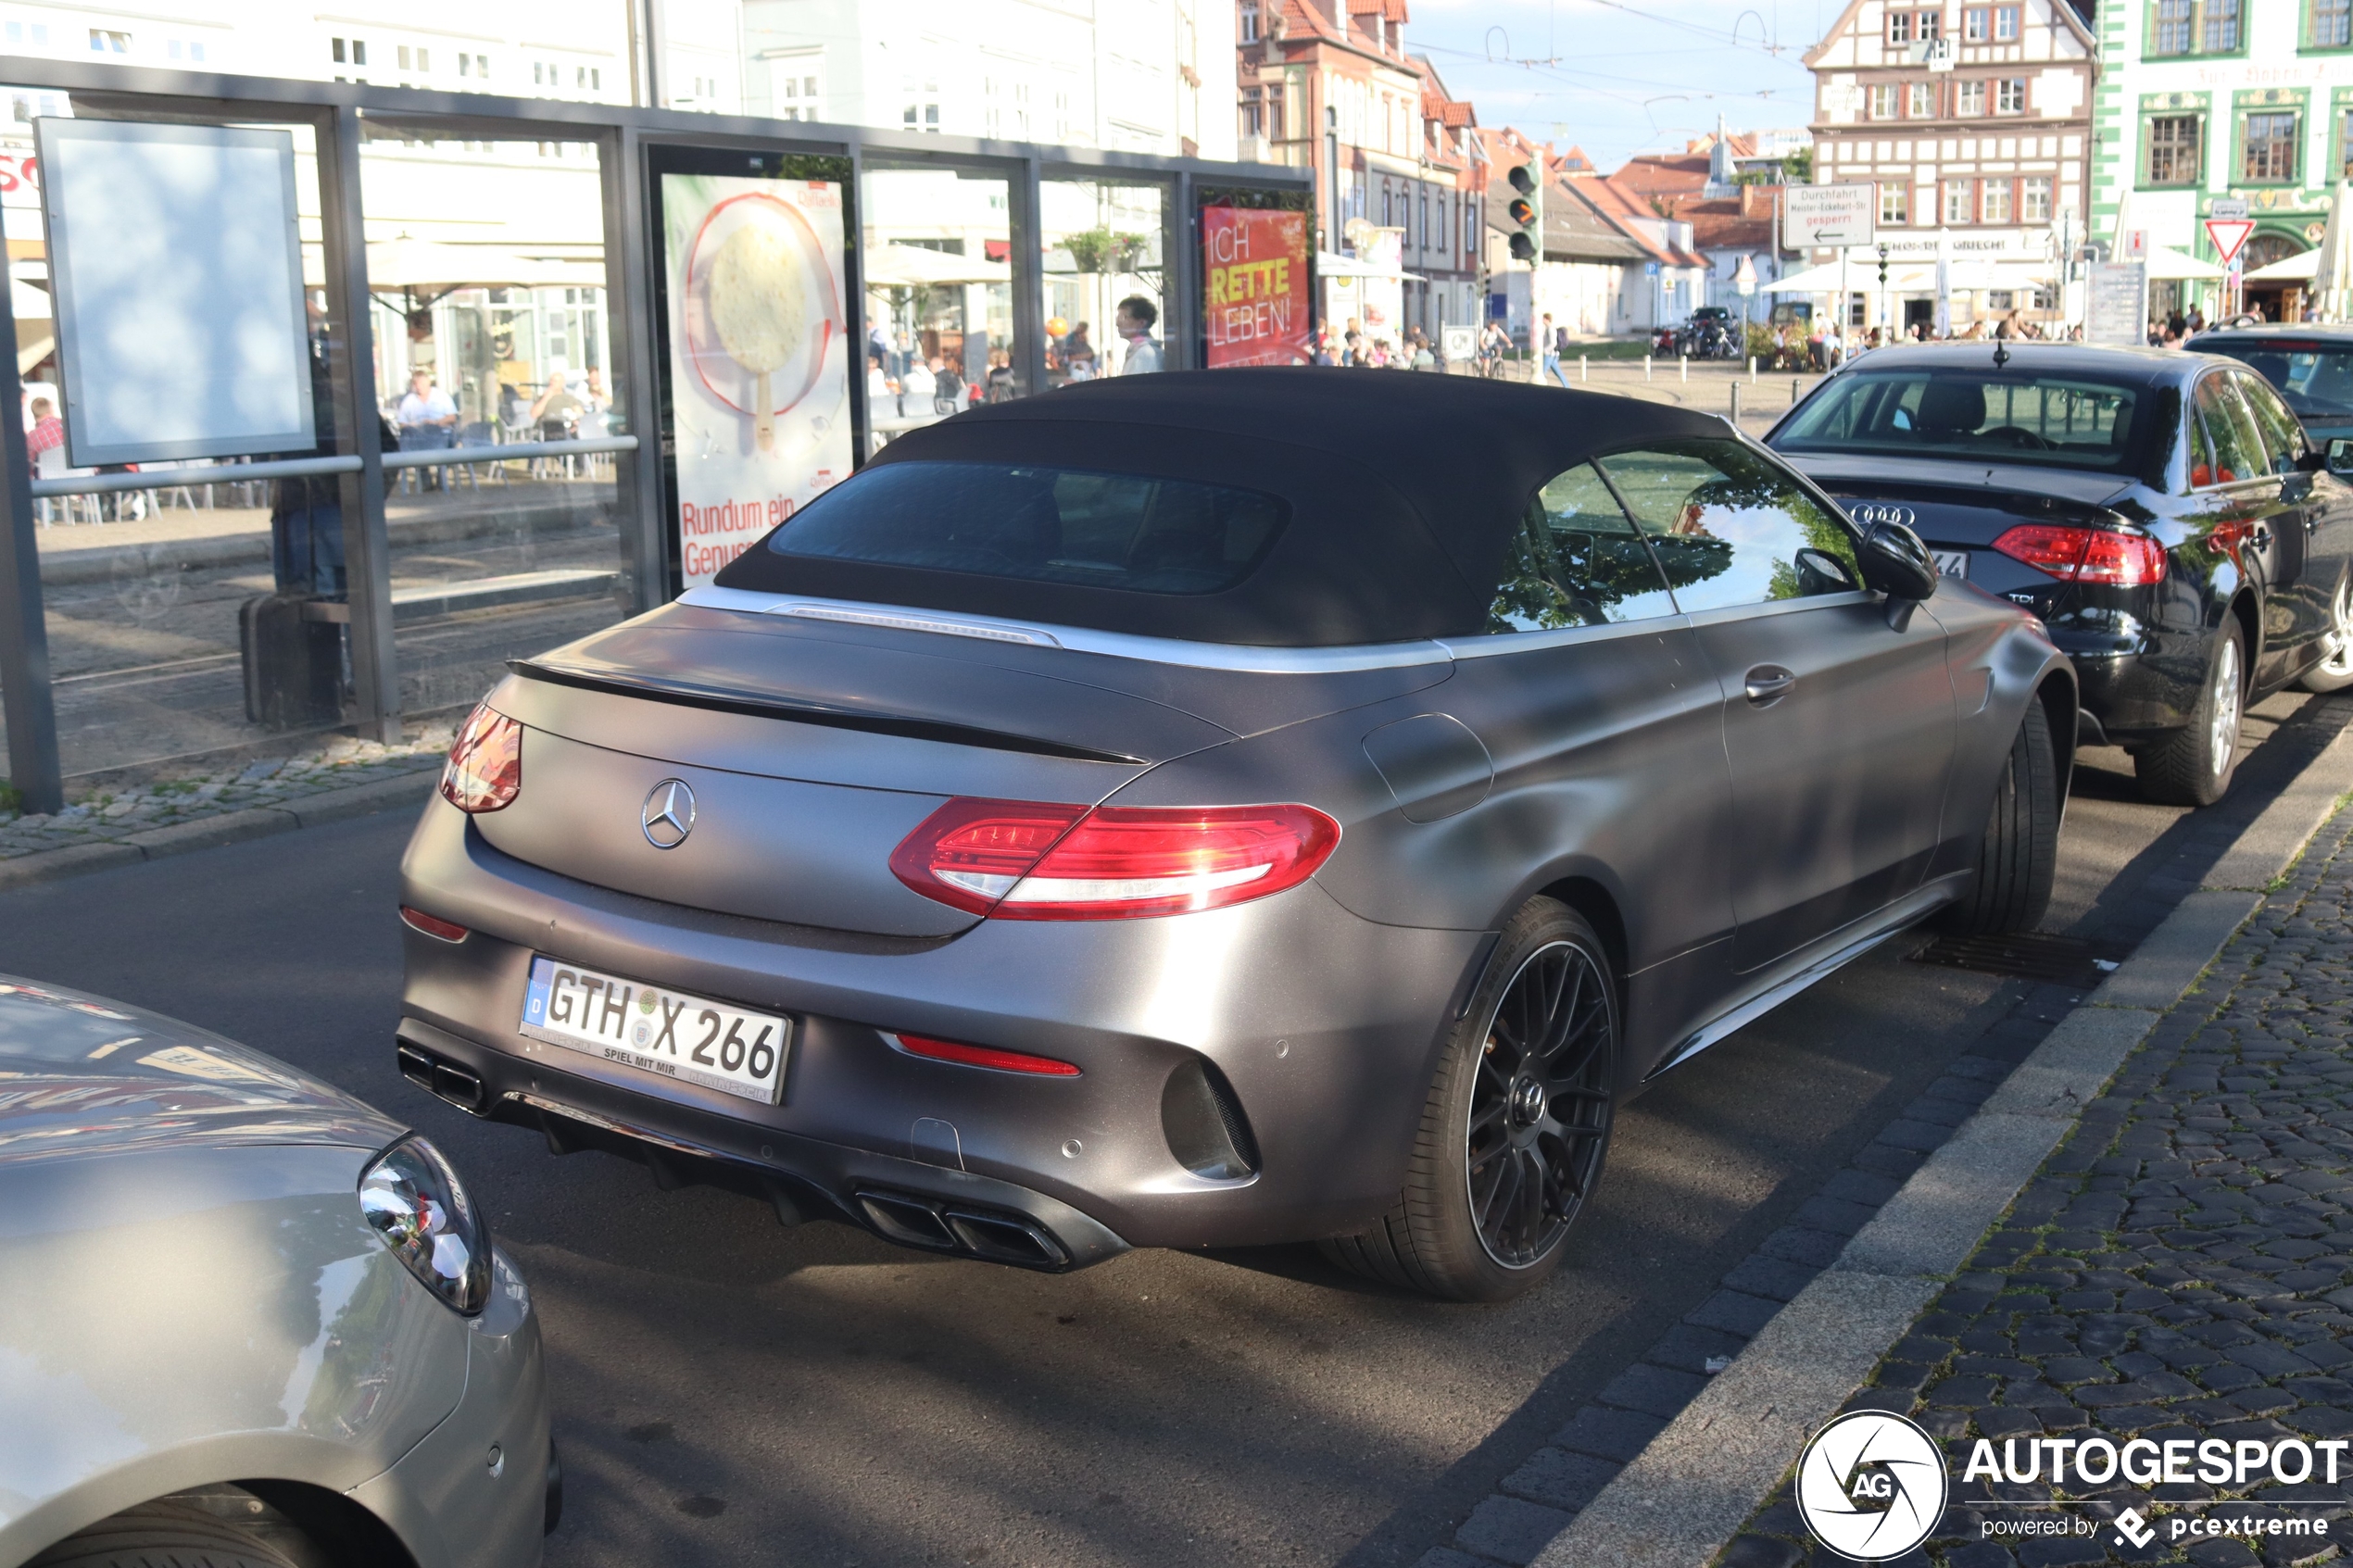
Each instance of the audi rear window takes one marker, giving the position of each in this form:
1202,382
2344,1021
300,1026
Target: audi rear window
2055,420
1040,525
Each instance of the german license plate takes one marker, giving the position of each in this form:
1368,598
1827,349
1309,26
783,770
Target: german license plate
1952,563
657,1030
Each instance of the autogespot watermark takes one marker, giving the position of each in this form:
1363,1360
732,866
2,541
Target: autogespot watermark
1872,1486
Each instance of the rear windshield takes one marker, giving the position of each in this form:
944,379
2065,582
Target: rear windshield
2317,380
1957,411
1041,524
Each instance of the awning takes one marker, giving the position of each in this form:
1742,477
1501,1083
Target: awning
1330,265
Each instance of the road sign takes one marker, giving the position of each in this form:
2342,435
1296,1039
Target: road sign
1745,277
2228,235
1829,215
2135,246
2227,206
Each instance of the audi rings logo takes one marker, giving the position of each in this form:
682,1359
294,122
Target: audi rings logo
1869,512
668,815
1871,1485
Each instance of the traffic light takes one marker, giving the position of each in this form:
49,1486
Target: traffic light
1526,210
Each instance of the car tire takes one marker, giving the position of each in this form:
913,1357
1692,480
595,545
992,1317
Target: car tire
2334,671
164,1534
2193,766
1497,1177
2018,858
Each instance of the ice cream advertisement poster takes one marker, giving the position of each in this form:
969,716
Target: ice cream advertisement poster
759,356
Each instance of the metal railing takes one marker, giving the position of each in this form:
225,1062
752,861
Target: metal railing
300,468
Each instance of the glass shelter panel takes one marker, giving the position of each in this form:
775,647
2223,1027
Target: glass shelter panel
486,264
1106,277
940,294
148,594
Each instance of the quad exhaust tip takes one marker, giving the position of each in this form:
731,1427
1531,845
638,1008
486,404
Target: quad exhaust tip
936,1226
442,1078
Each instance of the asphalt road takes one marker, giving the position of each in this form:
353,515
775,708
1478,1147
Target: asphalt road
730,1392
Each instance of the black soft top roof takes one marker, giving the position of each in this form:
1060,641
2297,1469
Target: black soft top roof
1402,489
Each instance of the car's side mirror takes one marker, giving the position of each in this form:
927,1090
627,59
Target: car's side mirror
1896,563
2340,455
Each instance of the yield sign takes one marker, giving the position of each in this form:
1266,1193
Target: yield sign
2228,235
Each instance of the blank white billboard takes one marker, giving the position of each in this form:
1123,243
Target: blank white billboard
175,267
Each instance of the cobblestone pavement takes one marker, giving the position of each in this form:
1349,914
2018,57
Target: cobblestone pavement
115,812
2182,1268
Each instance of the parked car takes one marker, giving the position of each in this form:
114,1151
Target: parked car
1221,807
244,1318
2311,367
2161,511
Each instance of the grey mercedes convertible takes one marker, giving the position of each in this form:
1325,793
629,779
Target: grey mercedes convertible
1222,808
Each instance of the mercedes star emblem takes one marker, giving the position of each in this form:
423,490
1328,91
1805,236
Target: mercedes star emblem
668,815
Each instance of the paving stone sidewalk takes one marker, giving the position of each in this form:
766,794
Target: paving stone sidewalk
114,813
2181,1267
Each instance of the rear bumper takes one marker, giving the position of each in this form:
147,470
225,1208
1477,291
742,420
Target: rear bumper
1318,1027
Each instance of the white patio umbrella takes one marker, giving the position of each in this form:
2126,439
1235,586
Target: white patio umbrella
2297,269
894,266
2166,265
2332,266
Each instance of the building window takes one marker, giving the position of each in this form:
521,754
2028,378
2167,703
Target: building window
2270,148
2172,150
1928,26
1249,33
1883,100
2174,21
2221,26
1425,219
1996,200
1899,27
2009,95
1977,25
1894,203
1959,200
104,41
353,52
2331,24
1969,98
1921,104
2035,199
1254,113
2006,24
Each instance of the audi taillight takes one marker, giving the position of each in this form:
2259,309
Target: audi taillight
1023,861
2085,555
485,769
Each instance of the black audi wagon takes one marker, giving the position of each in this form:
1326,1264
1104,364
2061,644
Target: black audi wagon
2164,512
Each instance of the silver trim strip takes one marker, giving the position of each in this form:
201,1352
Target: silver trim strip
1496,643
1080,639
1909,912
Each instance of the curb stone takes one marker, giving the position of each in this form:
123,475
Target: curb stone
231,827
1682,1499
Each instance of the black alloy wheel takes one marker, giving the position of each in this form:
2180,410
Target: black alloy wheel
1516,1127
1540,1107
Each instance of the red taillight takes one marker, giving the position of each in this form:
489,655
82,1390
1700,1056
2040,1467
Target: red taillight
433,925
983,1055
2085,555
485,769
1019,860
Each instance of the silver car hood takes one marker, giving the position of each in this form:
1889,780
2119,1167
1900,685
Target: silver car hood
81,1075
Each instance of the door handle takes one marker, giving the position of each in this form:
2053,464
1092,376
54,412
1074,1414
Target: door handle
1767,684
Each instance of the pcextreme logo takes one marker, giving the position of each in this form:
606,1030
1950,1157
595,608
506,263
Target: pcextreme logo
1871,1485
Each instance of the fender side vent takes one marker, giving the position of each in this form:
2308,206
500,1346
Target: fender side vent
1204,1124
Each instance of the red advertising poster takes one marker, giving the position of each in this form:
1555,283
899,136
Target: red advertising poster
1255,265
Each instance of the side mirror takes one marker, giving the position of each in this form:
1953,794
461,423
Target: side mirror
1896,563
2340,455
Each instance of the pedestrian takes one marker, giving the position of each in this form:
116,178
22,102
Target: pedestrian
427,420
947,387
1549,342
916,389
555,411
882,394
45,441
1134,321
1079,355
